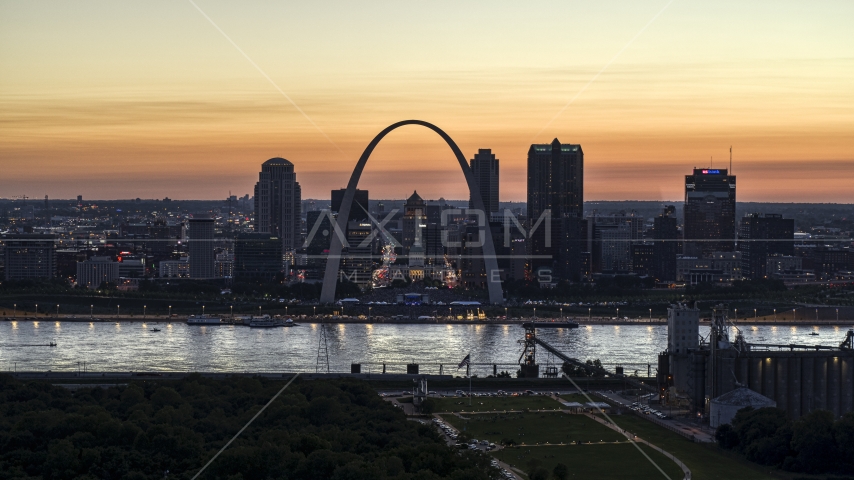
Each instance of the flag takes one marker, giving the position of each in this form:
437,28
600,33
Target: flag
465,362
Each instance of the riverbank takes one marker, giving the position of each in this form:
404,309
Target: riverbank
401,320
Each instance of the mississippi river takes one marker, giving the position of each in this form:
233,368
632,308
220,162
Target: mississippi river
228,348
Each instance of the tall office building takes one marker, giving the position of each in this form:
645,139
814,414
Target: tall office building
761,236
278,203
30,256
357,263
556,196
484,166
610,239
414,220
201,247
359,208
665,234
257,256
709,212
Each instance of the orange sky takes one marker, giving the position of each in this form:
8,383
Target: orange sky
118,100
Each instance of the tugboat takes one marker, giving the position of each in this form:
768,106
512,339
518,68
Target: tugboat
813,333
155,329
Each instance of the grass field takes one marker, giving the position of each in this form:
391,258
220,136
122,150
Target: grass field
495,404
533,428
706,461
577,397
600,462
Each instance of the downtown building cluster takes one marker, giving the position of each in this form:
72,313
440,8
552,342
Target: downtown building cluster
277,236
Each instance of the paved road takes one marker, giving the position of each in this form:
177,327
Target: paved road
701,434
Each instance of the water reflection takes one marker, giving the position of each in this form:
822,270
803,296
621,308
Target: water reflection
237,348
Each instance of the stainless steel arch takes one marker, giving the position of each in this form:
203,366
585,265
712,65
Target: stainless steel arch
333,262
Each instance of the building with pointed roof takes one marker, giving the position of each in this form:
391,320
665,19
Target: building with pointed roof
413,222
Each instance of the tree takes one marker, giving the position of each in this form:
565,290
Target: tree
843,434
726,437
763,435
812,439
560,472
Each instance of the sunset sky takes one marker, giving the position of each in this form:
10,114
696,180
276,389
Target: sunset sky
149,99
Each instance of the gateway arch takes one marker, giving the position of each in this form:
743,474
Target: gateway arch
333,262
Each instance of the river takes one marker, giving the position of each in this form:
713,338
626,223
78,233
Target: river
228,348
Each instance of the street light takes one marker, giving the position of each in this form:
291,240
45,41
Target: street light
369,314
170,311
816,315
775,315
37,309
505,313
144,311
315,310
618,313
118,310
561,313
837,315
650,315
231,308
15,306
589,309
91,312
203,310
57,311
754,315
736,314
535,312
794,314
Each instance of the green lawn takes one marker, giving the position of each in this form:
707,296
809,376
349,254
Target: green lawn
495,404
706,461
601,462
533,428
577,397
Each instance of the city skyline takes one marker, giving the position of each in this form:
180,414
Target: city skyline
169,107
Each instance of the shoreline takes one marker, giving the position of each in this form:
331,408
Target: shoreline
415,321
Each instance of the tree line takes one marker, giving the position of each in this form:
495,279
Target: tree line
152,430
815,443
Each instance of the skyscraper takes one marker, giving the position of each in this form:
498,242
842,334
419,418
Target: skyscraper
484,166
30,256
665,247
201,246
709,212
610,239
413,221
278,203
763,235
257,256
556,198
359,208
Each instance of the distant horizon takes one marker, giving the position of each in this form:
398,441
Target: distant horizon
36,200
188,99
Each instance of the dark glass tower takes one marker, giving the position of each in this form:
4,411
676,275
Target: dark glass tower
278,203
763,235
665,246
556,195
484,166
360,200
709,212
